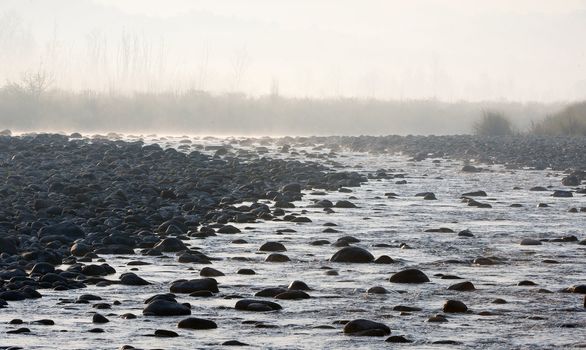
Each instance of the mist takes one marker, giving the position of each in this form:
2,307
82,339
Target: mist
385,65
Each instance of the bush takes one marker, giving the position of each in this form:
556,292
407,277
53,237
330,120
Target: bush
493,124
571,121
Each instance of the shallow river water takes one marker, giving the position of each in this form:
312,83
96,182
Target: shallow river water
532,318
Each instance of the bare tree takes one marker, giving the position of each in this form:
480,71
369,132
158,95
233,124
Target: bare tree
240,64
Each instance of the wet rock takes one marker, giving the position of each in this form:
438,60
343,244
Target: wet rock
246,272
465,233
272,247
210,272
234,343
257,305
278,258
454,306
377,290
430,196
292,295
197,323
298,285
362,327
163,333
131,279
229,229
526,283
171,244
344,204
161,307
462,287
437,319
470,169
384,259
193,257
398,339
474,194
195,285
43,268
404,308
271,292
409,276
352,255
8,246
530,241
562,194
45,322
67,229
580,289
571,180
98,318
19,331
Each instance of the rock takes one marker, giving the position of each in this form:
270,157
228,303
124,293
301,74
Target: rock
352,255
377,290
19,331
298,285
530,241
270,292
384,259
210,272
131,279
193,257
272,247
197,323
228,229
462,287
437,319
67,229
404,308
344,204
163,333
43,268
292,295
234,343
454,306
276,257
257,305
362,327
98,318
571,180
580,289
398,339
195,285
8,246
475,194
292,187
465,233
430,196
171,244
562,194
526,283
161,307
246,272
409,276
470,169
45,322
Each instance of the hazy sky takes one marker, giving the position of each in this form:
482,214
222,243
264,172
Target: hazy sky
450,50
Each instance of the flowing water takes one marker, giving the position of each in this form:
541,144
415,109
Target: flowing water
532,318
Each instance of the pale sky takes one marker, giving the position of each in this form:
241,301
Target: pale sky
414,49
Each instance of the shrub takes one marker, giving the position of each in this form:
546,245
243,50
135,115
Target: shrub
570,121
493,123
